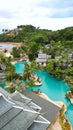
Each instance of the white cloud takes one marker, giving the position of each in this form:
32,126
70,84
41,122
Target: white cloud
50,14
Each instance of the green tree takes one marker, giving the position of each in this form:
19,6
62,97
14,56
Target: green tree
15,52
51,66
71,88
33,50
1,55
10,72
59,73
30,83
27,71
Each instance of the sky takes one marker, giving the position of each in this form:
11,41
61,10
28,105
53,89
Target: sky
46,14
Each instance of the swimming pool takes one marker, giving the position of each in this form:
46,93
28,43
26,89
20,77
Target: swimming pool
20,66
52,87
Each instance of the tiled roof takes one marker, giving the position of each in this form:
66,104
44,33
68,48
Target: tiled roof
4,106
14,117
25,111
22,120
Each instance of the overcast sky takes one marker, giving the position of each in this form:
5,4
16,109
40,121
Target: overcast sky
48,14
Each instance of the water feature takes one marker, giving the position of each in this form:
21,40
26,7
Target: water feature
2,85
52,87
20,67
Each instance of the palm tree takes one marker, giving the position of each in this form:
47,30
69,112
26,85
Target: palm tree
11,88
30,83
10,72
27,72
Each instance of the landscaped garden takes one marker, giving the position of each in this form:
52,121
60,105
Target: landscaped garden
59,63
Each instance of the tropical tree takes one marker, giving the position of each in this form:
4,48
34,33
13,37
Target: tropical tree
33,66
30,83
10,72
71,88
11,88
27,71
15,52
51,66
33,50
59,73
1,56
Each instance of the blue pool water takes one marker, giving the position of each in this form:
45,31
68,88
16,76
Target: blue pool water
20,66
2,85
52,87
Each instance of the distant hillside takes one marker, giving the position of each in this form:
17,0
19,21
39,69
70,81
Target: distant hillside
29,33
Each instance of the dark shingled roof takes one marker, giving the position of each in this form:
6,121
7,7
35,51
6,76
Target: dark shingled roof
25,111
13,117
4,106
20,121
49,110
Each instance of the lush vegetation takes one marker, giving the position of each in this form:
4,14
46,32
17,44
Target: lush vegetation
29,33
10,69
63,121
34,39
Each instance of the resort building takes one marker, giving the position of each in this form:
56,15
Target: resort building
58,57
42,58
48,46
26,111
70,55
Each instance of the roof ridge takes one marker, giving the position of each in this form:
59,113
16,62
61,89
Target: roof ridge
22,96
42,122
32,111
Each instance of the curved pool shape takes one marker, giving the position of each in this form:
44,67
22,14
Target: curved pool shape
20,67
56,90
52,87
